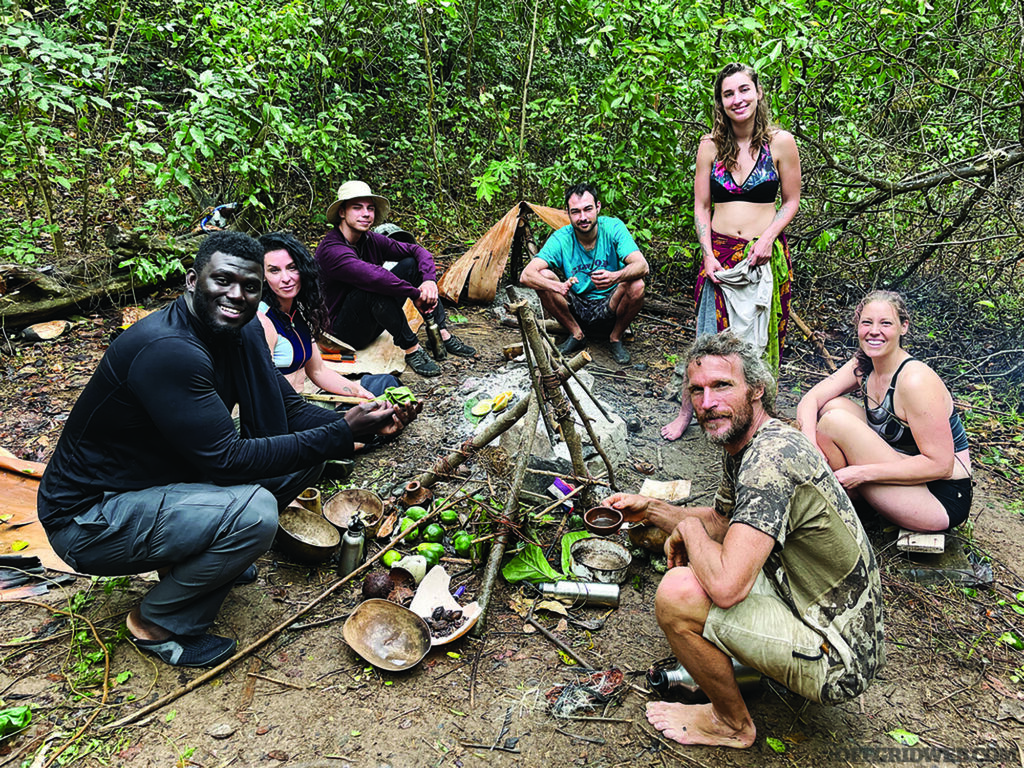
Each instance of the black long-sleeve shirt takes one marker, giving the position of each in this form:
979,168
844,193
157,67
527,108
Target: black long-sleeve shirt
158,411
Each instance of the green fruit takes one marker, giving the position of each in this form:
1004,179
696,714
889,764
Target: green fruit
431,552
462,543
433,533
576,523
449,517
406,524
391,557
415,513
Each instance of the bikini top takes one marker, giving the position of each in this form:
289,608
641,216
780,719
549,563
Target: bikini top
895,431
294,345
760,186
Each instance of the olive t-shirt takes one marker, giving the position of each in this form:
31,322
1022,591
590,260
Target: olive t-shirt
822,565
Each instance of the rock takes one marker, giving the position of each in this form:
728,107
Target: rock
221,731
45,331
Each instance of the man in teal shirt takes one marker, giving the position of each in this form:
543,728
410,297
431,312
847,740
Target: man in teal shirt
589,273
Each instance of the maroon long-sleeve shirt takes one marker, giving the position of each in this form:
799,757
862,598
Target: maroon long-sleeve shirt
346,267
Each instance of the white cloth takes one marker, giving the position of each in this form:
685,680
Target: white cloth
747,291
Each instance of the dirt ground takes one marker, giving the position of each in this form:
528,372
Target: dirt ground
306,699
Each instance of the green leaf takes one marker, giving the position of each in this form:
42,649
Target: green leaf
567,541
1012,639
529,565
14,719
906,738
777,745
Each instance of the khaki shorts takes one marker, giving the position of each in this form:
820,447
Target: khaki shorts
762,632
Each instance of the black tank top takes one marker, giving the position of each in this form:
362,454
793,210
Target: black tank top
895,431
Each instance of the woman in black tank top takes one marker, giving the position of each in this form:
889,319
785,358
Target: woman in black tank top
905,449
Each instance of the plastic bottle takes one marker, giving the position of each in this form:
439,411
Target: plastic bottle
353,544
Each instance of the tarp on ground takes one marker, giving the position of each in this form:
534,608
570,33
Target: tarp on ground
483,265
21,533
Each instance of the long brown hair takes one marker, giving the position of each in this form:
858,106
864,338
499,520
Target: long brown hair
726,148
864,365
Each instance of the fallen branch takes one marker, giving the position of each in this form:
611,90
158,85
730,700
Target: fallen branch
814,339
557,643
551,385
511,512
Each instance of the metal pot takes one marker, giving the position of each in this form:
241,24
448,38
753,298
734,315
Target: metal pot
601,560
306,537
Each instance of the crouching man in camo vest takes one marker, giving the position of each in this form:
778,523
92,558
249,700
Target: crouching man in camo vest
778,575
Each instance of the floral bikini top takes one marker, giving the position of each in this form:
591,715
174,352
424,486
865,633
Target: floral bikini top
760,186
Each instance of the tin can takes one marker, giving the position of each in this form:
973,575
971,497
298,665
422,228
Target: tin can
583,592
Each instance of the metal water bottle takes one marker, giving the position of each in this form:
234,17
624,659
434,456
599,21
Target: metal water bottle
353,544
678,684
582,592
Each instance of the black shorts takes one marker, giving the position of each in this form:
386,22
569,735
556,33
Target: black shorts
591,312
955,497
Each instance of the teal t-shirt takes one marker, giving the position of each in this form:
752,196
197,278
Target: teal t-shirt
564,253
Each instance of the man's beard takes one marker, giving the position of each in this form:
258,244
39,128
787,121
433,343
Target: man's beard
740,422
206,312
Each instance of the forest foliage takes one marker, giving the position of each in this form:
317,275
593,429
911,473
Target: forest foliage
908,114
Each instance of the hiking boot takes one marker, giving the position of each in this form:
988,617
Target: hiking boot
572,345
421,363
619,353
189,650
457,346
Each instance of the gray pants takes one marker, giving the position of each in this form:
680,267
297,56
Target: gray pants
206,534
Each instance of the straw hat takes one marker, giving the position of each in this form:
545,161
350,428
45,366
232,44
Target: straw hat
350,190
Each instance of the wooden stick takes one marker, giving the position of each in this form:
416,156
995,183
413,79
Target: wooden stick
558,643
814,339
446,465
511,514
328,398
554,395
260,642
535,382
594,439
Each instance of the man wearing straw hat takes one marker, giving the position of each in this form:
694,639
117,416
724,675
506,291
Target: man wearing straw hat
368,276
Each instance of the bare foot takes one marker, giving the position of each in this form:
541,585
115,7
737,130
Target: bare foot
698,724
142,629
675,428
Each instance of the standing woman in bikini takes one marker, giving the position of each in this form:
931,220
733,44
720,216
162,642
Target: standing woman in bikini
741,166
905,451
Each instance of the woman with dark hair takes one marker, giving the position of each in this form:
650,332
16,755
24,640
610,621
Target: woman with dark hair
292,314
741,167
905,451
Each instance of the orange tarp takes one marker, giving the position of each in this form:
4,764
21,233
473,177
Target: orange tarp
19,482
484,263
